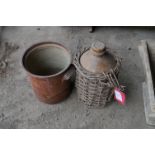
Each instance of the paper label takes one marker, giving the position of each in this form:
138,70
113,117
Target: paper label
119,96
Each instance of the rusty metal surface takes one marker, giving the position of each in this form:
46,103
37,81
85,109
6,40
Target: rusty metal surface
49,88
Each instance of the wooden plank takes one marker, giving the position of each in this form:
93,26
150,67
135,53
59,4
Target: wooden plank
143,51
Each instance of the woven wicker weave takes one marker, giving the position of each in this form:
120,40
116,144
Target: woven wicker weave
95,89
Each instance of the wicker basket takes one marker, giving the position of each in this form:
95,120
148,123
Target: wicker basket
95,89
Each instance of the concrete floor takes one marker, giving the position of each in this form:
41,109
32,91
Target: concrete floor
19,107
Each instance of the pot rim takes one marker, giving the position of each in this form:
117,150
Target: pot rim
50,43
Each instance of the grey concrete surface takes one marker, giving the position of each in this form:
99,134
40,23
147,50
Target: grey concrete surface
19,107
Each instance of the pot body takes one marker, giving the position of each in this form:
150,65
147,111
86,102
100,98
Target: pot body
49,69
51,89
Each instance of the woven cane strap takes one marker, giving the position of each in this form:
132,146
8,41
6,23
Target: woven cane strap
95,89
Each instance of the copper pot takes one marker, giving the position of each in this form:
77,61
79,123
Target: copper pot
49,68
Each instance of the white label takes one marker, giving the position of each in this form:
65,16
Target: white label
118,95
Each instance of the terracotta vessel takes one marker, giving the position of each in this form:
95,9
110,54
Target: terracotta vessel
97,71
97,60
49,68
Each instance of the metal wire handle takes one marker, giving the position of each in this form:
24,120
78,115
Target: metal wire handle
69,73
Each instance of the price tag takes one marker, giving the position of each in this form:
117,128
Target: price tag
119,96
